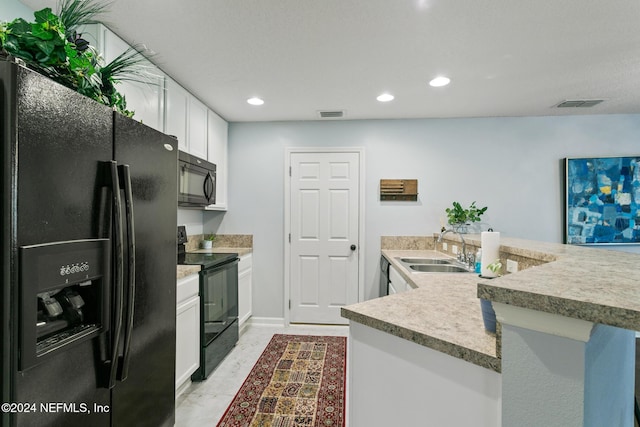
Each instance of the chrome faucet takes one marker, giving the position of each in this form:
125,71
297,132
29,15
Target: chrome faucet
461,256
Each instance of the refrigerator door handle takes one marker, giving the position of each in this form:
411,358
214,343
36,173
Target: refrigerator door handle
208,186
125,176
118,275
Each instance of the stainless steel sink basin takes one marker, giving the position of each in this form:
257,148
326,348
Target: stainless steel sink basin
432,265
438,268
425,260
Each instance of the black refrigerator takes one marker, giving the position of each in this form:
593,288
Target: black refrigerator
89,205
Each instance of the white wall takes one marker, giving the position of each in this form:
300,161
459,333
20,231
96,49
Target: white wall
511,165
12,9
192,220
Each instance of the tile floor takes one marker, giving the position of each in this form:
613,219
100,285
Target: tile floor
204,403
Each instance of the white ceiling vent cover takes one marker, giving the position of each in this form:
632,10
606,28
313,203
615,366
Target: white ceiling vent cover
579,103
333,114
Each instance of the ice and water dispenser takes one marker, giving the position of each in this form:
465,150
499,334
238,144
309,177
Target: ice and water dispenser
64,296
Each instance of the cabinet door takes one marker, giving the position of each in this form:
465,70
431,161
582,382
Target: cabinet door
398,283
217,136
187,339
245,279
176,113
197,134
146,97
392,290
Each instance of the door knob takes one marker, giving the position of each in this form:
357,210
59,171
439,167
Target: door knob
353,247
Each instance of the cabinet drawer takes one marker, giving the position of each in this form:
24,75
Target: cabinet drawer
187,288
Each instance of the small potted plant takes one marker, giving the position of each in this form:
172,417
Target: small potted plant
488,313
460,218
207,241
495,268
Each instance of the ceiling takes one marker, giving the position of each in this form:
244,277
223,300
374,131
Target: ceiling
504,57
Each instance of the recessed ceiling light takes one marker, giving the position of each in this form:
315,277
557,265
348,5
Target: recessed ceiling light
440,81
385,97
255,101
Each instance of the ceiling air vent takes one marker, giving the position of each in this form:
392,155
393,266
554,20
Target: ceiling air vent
336,114
579,103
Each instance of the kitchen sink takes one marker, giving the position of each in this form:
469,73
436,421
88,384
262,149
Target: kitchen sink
438,268
425,260
433,265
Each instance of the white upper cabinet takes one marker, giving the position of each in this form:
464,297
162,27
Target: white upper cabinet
197,135
165,105
217,134
177,105
146,97
186,118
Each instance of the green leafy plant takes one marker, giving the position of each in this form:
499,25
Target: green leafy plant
76,13
52,46
211,237
460,215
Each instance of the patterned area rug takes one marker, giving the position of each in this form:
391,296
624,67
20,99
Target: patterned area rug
298,381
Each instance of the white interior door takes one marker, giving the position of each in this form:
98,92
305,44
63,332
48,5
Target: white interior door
324,216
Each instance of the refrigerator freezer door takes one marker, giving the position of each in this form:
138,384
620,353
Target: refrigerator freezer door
61,142
146,397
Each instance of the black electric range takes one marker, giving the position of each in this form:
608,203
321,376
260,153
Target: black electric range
218,304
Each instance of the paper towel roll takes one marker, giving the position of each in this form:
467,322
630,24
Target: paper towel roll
490,241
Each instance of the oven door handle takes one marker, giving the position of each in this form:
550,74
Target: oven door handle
123,363
208,187
209,271
118,275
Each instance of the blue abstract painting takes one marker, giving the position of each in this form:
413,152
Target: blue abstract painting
603,200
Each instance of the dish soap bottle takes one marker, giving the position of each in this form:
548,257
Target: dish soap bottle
478,261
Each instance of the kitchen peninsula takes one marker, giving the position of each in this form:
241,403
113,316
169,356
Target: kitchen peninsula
563,354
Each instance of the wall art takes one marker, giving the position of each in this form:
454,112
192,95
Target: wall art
602,200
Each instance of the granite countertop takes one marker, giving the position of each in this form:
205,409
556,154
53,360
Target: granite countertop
596,285
183,271
442,312
223,250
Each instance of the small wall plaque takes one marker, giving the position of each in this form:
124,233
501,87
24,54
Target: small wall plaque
399,190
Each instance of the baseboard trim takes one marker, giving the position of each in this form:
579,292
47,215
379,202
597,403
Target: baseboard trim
244,325
183,387
265,321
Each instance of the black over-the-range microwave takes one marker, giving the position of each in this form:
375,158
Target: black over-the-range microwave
196,181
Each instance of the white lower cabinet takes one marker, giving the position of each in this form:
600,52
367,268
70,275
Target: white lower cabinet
187,328
397,283
245,284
